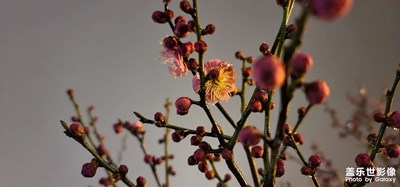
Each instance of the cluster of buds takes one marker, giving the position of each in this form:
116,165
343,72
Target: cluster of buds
314,161
291,138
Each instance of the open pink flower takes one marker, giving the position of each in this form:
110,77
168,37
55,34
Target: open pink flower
220,81
176,65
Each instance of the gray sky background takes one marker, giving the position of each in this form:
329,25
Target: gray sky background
109,52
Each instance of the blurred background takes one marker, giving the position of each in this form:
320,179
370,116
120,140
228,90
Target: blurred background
109,52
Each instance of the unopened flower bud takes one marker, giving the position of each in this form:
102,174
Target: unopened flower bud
88,170
149,159
77,131
247,72
182,105
317,92
301,111
280,169
199,155
210,29
123,169
239,55
330,9
180,19
70,92
264,48
176,136
261,96
363,160
306,170
300,64
392,150
227,154
249,136
195,140
298,138
192,64
290,30
395,120
191,161
200,130
186,49
141,181
159,117
181,30
257,152
372,138
186,7
137,127
268,72
118,128
210,174
200,46
204,145
191,26
203,167
159,17
227,177
170,42
169,14
256,106
314,161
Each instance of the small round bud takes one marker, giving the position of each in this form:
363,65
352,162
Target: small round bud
199,155
280,170
210,174
287,129
180,19
227,154
159,161
181,30
182,105
186,7
203,167
192,64
75,119
301,111
247,72
210,29
264,48
149,159
256,106
87,130
298,138
227,177
392,150
239,55
306,170
260,171
159,117
118,128
314,161
177,137
300,64
137,127
195,140
88,170
249,136
204,145
317,92
170,42
395,120
191,26
141,181
123,170
261,96
186,49
169,14
200,130
363,160
200,46
250,59
76,130
159,17
191,161
290,30
257,152
70,92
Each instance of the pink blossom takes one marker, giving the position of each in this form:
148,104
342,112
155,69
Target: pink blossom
176,65
300,64
269,72
330,9
219,87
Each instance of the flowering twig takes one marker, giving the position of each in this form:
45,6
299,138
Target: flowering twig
176,127
98,158
167,107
